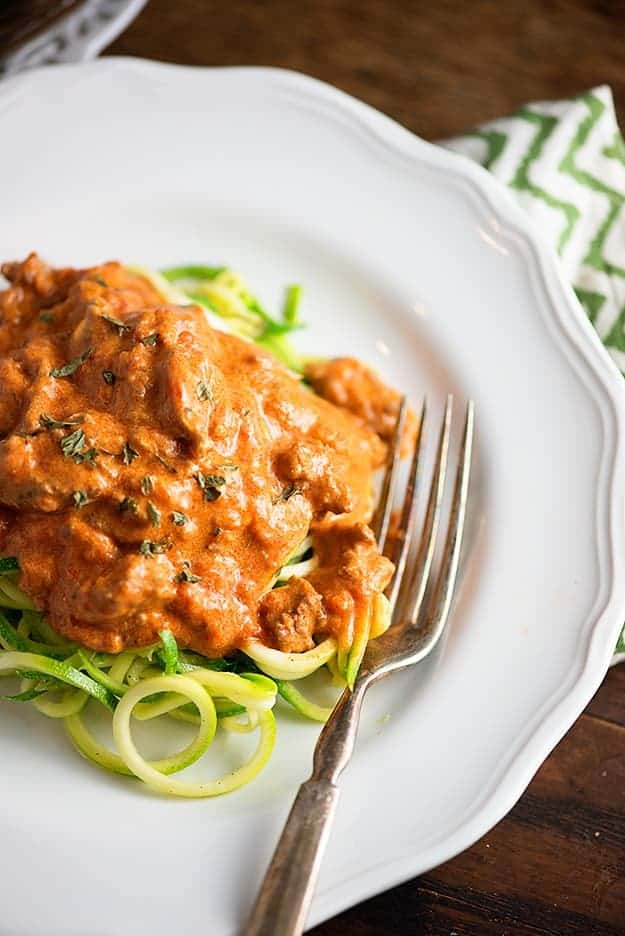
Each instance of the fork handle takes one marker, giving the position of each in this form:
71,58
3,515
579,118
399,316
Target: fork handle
284,899
286,893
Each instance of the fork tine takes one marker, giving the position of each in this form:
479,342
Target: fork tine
409,510
451,555
383,513
417,584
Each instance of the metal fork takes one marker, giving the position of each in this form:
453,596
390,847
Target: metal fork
284,898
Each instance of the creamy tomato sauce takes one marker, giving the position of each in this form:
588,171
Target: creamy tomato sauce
156,473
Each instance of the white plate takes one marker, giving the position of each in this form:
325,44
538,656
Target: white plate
416,261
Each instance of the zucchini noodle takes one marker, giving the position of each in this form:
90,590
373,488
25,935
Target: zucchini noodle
234,723
301,563
93,750
87,745
381,615
230,306
362,630
301,569
63,682
60,682
283,665
301,704
15,595
27,664
71,702
333,669
157,778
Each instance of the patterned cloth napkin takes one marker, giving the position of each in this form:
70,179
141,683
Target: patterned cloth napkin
565,163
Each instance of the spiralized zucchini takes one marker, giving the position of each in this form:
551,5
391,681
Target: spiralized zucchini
154,774
161,681
309,709
283,665
63,681
230,306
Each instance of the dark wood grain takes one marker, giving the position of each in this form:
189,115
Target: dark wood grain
436,67
556,865
22,20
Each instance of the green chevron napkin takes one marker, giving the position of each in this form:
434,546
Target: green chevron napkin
565,163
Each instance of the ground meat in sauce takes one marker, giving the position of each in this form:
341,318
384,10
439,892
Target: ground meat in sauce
352,385
291,614
155,472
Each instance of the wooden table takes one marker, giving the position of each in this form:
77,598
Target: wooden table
556,864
